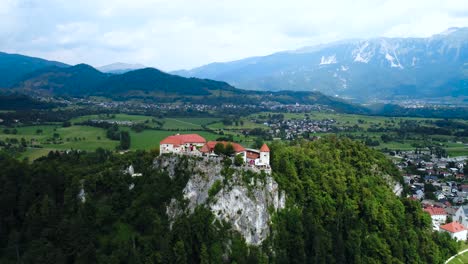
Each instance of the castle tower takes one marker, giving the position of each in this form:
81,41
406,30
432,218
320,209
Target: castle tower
265,155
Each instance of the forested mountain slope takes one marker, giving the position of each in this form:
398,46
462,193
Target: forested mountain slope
14,66
342,208
83,208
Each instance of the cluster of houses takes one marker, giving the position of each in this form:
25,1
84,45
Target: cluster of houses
445,167
295,108
291,129
457,228
445,198
440,174
264,106
194,144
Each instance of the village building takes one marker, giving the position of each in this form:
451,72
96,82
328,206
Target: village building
461,215
455,230
260,158
438,216
187,143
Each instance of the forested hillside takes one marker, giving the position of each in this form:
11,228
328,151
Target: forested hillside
14,66
83,208
342,210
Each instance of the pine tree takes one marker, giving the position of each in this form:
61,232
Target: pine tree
180,256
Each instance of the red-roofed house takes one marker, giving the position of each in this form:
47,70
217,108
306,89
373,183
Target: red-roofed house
260,158
456,230
438,215
186,143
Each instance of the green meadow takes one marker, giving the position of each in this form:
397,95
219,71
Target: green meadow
43,138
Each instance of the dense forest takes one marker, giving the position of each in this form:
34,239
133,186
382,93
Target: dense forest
341,209
82,207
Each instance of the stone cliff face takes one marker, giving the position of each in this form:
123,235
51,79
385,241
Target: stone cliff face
243,198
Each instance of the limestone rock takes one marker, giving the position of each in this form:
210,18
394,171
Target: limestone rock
246,199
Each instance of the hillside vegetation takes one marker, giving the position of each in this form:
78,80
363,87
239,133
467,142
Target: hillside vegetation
156,86
342,208
14,66
82,208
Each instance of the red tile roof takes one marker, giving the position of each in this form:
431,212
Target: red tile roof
435,211
265,148
183,139
209,146
453,227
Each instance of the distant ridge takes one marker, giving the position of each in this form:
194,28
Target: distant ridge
154,85
119,67
366,69
14,66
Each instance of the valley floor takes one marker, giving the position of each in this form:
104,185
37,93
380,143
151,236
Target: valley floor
384,133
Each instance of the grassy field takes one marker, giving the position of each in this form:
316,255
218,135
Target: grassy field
247,124
365,122
43,138
183,123
75,137
186,123
114,117
461,259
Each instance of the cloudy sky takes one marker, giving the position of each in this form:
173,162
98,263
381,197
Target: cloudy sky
175,34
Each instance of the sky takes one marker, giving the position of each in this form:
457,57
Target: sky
182,34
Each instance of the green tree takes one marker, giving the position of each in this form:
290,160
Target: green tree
258,143
219,148
215,188
180,256
204,257
239,160
229,149
124,140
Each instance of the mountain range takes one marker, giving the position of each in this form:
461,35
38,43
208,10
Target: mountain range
367,69
153,85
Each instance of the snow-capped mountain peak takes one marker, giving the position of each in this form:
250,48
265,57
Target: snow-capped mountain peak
377,68
328,60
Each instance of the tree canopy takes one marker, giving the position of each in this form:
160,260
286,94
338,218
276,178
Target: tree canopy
82,207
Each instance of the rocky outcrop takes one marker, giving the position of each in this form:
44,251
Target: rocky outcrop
396,186
243,198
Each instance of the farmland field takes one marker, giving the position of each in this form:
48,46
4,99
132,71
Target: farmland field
186,123
182,123
114,117
40,139
74,137
462,258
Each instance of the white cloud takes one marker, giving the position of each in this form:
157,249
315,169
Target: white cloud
173,34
